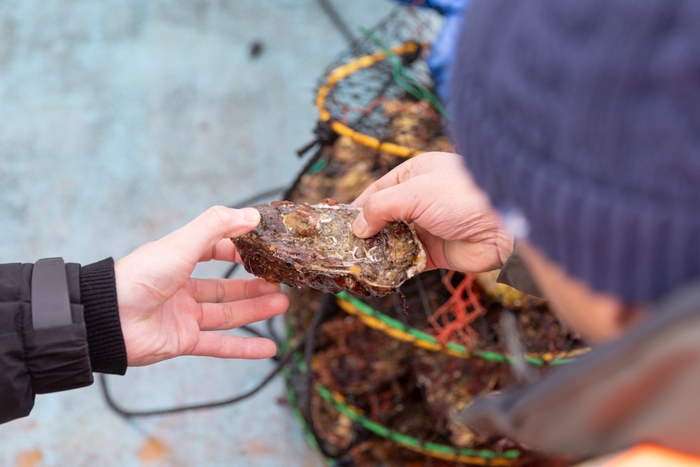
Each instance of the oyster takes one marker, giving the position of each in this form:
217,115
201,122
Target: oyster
313,245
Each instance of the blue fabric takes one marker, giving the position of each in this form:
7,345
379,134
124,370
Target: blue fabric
442,49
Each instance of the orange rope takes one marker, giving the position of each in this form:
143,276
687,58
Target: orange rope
452,320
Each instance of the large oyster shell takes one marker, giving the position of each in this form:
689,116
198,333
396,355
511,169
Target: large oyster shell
313,245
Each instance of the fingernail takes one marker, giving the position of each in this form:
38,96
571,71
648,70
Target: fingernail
360,225
249,215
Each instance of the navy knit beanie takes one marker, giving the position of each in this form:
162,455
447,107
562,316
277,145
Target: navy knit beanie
584,115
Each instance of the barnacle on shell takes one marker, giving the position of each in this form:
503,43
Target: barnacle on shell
313,245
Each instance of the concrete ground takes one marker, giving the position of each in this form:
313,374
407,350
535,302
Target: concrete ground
119,122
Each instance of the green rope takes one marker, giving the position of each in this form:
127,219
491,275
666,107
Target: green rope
406,440
317,167
420,335
405,78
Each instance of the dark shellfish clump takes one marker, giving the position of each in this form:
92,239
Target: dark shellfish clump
313,245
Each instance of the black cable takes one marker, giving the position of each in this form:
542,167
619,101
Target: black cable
337,20
272,332
210,405
231,270
309,345
317,155
328,304
258,196
274,338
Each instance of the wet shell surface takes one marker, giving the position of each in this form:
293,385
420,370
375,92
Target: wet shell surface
313,245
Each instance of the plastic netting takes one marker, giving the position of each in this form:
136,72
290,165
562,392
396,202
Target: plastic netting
409,30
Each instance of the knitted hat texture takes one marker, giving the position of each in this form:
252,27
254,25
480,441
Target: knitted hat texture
584,115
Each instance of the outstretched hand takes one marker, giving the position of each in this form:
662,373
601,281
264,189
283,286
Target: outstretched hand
165,313
453,217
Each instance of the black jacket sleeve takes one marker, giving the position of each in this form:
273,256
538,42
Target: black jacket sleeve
58,323
98,293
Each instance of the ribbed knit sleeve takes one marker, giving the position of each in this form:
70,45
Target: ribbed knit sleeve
98,291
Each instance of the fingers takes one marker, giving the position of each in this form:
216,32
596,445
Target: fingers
404,187
399,202
223,250
198,238
211,344
413,167
228,290
394,177
229,315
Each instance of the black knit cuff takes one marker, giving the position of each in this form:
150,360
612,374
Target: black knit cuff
98,293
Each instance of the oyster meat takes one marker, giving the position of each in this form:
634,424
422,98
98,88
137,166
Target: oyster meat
313,245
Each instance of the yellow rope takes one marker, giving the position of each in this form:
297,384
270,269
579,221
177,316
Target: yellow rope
342,72
404,336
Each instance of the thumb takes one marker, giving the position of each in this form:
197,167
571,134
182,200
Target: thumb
208,228
397,203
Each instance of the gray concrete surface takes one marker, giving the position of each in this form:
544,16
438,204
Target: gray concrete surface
119,122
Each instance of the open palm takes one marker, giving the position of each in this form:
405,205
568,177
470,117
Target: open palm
165,313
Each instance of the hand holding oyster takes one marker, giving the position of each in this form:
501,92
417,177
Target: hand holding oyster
313,245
